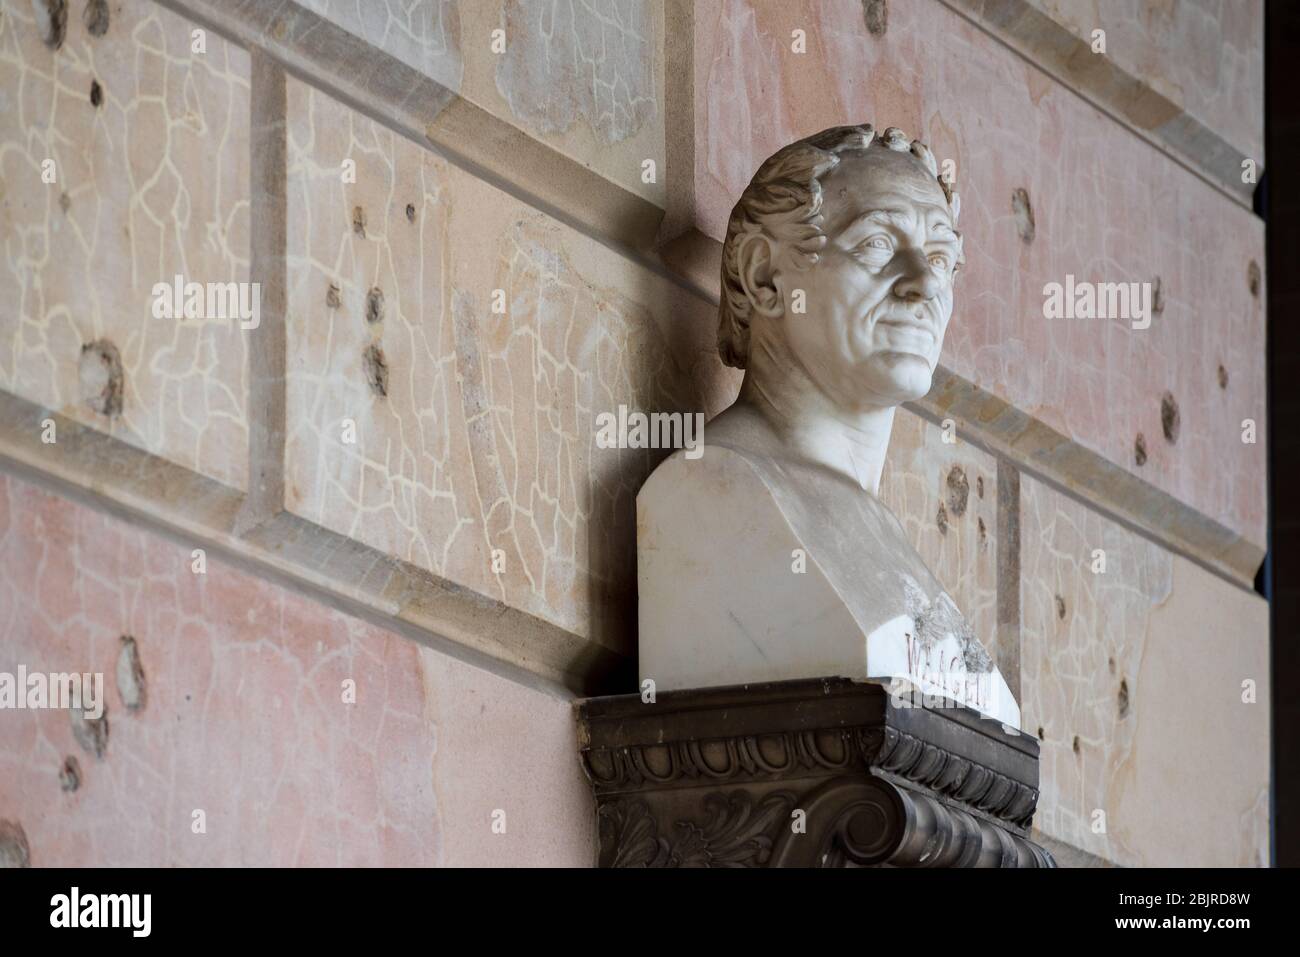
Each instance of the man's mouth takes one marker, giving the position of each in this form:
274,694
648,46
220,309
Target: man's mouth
905,334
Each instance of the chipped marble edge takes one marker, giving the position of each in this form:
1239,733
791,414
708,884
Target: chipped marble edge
137,487
1127,100
1035,448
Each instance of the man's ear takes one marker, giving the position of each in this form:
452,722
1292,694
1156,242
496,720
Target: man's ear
754,257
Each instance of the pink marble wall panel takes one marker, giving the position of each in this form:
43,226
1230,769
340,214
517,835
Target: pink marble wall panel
1205,55
1106,206
149,148
1146,679
477,459
244,718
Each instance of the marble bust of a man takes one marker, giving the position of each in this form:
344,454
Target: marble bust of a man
770,556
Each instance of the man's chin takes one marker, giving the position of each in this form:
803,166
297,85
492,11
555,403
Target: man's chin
901,376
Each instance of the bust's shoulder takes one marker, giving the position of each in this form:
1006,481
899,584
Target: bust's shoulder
737,435
743,430
737,450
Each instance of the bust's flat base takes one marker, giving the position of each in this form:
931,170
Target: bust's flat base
753,569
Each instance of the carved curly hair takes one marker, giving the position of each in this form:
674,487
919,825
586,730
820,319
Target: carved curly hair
784,200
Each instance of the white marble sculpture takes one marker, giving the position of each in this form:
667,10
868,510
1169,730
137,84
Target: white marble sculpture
770,556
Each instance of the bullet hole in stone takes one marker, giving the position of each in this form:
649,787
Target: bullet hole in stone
1253,278
96,94
984,534
1169,417
99,372
1223,377
1110,663
14,850
979,485
876,15
1140,449
376,367
1040,733
958,491
70,774
332,296
91,733
95,17
1024,214
65,203
1123,699
359,221
51,21
410,213
1157,297
1075,745
187,697
374,305
1060,608
130,675
942,520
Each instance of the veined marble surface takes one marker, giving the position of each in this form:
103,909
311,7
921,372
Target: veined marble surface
480,461
1148,685
245,719
149,184
1205,55
584,76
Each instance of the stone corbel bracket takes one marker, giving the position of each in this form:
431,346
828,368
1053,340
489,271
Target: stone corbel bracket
810,773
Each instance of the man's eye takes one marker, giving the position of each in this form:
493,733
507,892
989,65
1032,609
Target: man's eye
940,261
874,243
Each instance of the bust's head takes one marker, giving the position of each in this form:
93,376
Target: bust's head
840,256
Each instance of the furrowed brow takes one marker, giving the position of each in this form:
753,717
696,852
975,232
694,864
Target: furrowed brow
889,217
942,226
885,217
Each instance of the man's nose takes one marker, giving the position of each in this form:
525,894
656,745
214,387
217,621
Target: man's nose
918,283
